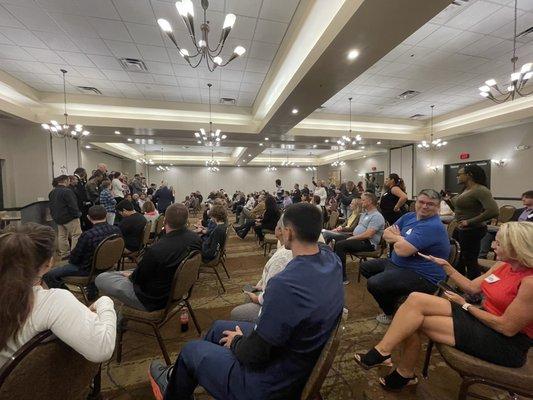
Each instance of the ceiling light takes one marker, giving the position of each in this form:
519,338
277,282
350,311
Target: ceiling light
249,155
353,54
294,111
326,141
212,57
87,147
314,146
378,142
433,144
267,139
117,132
130,140
363,147
213,138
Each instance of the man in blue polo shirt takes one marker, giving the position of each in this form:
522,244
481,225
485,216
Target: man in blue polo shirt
421,231
273,359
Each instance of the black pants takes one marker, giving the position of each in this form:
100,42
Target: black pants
388,283
243,230
351,246
470,242
259,232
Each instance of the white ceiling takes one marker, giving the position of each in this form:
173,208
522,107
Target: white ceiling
172,149
446,60
86,37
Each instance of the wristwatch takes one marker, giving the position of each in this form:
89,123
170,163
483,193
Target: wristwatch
466,306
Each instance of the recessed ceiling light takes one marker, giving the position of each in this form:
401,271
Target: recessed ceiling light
314,146
130,140
238,165
249,155
353,54
260,144
267,138
294,111
117,132
378,143
87,147
362,147
326,141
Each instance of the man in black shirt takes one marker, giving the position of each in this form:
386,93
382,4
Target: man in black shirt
296,194
65,213
81,257
131,225
148,287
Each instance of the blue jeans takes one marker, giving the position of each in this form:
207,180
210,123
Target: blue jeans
53,278
214,367
388,283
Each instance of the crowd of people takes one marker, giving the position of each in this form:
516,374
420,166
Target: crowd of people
272,342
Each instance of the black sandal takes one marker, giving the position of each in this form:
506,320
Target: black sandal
372,359
394,382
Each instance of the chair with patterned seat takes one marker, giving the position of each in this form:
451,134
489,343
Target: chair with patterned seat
183,282
106,256
46,368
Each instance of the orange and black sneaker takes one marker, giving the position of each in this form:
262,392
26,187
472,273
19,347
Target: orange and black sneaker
159,374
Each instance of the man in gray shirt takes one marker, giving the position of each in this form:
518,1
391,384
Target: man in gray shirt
366,235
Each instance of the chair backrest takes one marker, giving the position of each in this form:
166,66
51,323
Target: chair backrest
325,361
506,213
184,279
159,224
146,234
333,218
451,227
455,252
46,368
107,254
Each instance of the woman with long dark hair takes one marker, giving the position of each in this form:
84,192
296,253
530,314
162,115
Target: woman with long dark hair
26,254
392,201
473,207
267,221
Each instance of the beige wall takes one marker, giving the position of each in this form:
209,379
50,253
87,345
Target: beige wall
352,169
27,175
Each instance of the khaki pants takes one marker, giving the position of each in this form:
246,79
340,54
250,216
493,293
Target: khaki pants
71,230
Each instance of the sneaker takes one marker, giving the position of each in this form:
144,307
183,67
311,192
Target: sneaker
384,319
159,375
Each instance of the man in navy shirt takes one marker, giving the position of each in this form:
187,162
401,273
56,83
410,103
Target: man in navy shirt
273,359
421,231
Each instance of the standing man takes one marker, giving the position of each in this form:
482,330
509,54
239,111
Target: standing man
102,168
296,194
136,185
65,213
82,197
305,190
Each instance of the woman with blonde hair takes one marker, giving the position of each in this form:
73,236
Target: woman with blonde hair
26,254
500,331
150,213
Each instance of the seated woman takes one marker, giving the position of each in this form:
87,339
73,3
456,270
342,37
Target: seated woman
500,331
26,254
150,213
346,229
270,218
216,237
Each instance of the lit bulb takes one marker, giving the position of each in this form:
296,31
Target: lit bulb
527,76
515,76
217,132
484,88
187,4
117,132
229,21
378,142
490,82
484,94
510,88
164,25
526,68
73,133
54,122
53,129
217,60
45,126
85,133
224,136
196,134
239,50
199,141
294,111
201,43
184,52
353,54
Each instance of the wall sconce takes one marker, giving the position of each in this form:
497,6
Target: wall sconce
499,163
434,168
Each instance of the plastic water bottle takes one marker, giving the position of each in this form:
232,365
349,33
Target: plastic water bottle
184,321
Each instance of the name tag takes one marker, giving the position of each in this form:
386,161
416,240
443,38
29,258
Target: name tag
492,278
408,232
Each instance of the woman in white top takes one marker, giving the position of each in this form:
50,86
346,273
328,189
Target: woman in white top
321,191
117,190
26,254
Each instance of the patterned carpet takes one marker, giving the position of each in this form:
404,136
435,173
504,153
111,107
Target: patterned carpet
346,380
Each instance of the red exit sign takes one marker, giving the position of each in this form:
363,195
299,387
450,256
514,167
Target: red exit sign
464,156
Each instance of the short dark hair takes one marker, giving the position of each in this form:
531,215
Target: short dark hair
316,198
371,196
306,221
278,181
125,205
218,212
176,216
80,171
97,213
105,183
528,194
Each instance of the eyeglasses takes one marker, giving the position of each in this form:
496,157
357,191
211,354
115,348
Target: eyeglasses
429,204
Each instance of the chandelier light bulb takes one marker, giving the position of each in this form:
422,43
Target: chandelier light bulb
181,9
515,76
510,88
239,50
229,21
73,133
224,136
164,25
294,111
484,88
184,53
490,82
202,44
45,126
526,68
485,94
217,60
196,134
85,133
188,6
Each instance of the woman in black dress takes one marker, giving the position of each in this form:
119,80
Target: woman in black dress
393,199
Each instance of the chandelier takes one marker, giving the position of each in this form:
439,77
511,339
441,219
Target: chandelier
433,144
338,162
211,138
202,48
143,160
518,79
212,165
287,163
270,167
347,139
64,130
310,169
162,167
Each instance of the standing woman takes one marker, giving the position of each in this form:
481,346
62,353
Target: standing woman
117,190
473,207
393,199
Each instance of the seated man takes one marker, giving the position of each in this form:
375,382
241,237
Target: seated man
345,230
149,285
81,258
366,235
277,263
406,272
216,237
254,213
272,359
131,225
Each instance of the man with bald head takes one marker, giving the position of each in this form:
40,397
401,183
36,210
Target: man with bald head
148,286
102,168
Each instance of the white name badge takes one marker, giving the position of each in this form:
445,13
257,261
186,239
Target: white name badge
409,231
492,278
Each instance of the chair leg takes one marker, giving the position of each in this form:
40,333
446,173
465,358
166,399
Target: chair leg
161,345
219,279
359,269
427,359
193,316
85,299
120,334
224,266
463,391
96,386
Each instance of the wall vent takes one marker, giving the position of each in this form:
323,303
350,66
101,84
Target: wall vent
459,2
417,116
226,100
408,94
526,32
133,65
88,90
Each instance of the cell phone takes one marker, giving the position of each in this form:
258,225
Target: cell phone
444,286
249,289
